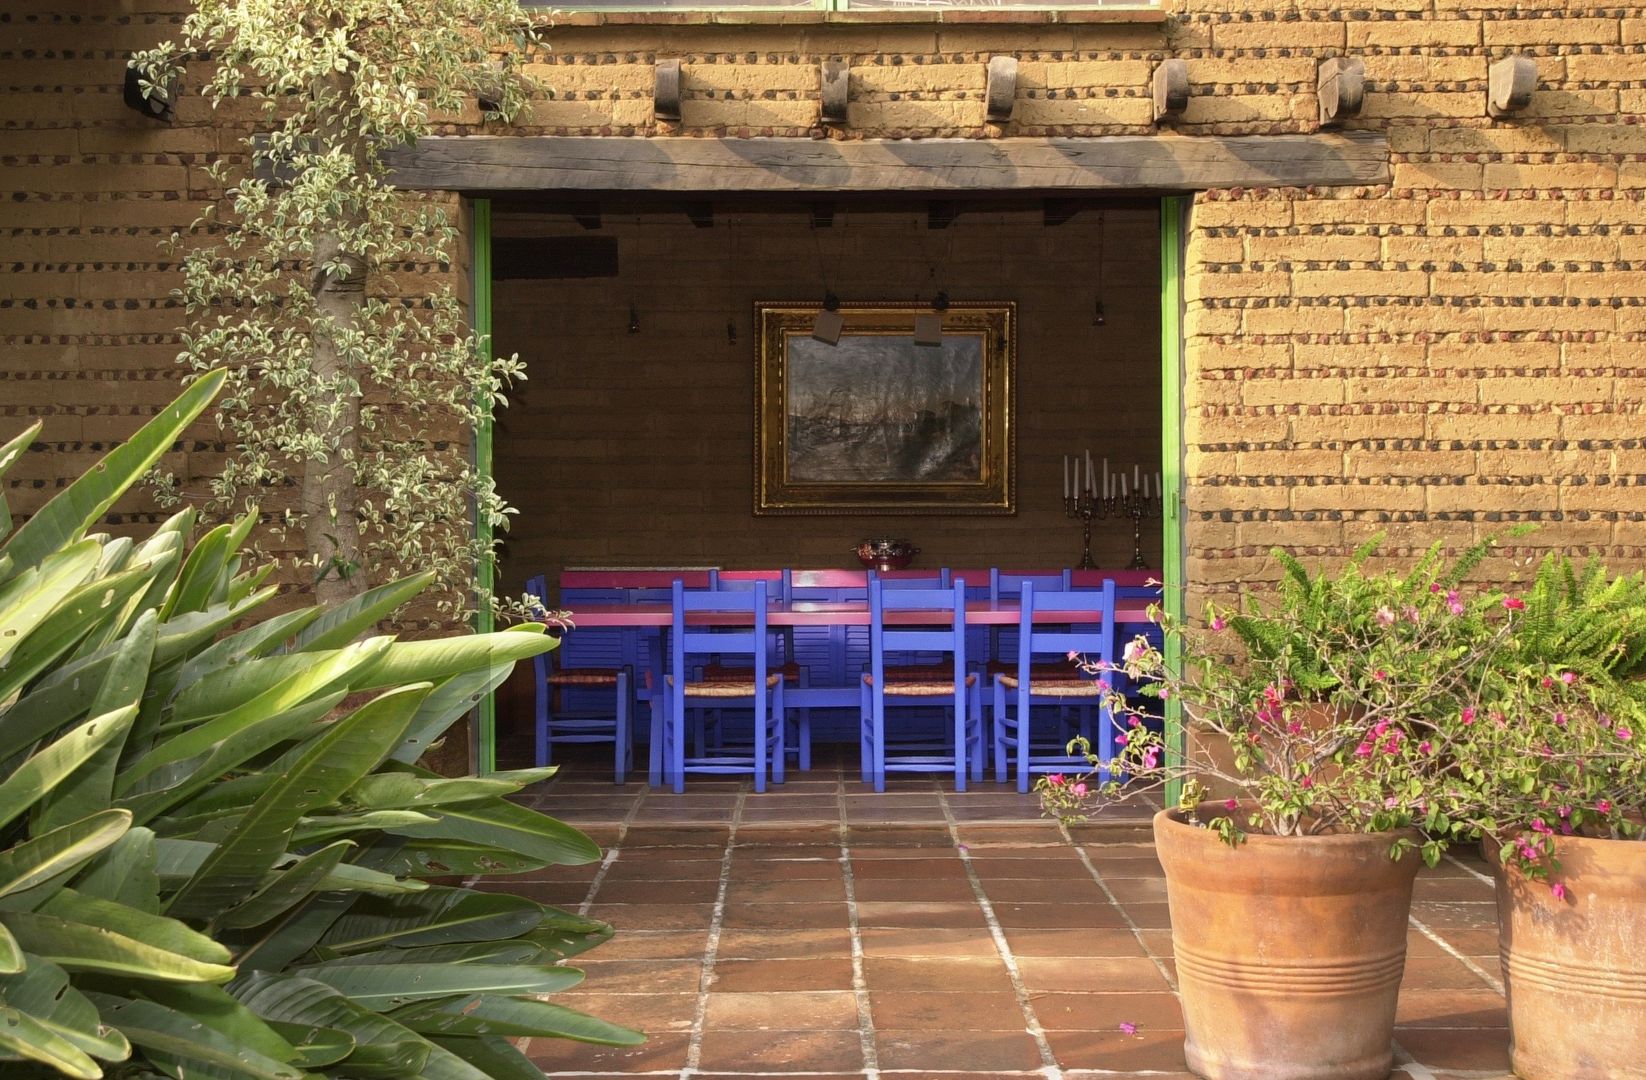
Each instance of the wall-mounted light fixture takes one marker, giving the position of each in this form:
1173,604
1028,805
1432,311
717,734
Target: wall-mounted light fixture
928,329
830,322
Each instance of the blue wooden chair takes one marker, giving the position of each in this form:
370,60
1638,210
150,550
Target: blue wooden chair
1052,683
952,687
781,660
752,686
561,721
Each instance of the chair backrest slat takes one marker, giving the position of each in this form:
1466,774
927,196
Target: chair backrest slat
1091,635
950,641
737,641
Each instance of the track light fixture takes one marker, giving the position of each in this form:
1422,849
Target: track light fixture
830,323
928,329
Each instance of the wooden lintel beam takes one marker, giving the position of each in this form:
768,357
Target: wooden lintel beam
1154,163
666,90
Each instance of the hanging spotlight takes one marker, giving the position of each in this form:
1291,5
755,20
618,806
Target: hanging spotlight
928,329
829,322
634,319
1098,318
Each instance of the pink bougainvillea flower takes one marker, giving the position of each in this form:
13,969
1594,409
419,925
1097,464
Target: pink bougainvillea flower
1165,692
1559,890
1467,716
1604,806
1073,655
1363,750
1380,675
1128,1028
1151,757
1055,780
1218,624
1514,603
1308,782
1120,740
1133,651
1434,586
1568,677
1453,604
1623,733
1135,722
1412,614
1385,617
1560,719
1230,804
1079,790
1425,747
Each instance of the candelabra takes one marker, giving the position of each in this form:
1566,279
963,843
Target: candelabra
1133,505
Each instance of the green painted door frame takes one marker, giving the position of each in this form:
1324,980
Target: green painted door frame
1173,221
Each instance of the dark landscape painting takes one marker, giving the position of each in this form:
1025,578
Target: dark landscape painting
881,409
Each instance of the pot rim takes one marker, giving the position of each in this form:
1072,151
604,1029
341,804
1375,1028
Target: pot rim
1175,819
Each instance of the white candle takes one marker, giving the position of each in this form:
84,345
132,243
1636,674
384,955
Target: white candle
1077,474
1122,485
1145,485
1091,483
1105,478
1089,469
1065,476
1136,479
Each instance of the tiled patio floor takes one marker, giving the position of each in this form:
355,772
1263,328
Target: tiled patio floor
825,931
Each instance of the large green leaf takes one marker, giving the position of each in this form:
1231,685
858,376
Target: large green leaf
565,934
27,599
346,621
60,851
323,677
43,992
512,951
66,517
492,1014
437,917
326,826
187,1047
82,947
407,790
126,872
285,889
155,930
439,658
92,785
256,640
10,452
497,1058
380,987
22,1036
510,826
223,1012
75,616
444,858
316,1046
333,762
11,953
383,1050
42,772
451,699
197,583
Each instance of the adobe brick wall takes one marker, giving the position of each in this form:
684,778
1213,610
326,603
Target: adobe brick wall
1438,357
634,449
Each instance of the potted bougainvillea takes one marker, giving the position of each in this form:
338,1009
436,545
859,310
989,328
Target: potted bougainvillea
1548,767
1290,859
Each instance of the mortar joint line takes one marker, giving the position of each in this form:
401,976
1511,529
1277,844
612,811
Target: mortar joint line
1450,950
860,985
612,852
1049,1067
1114,901
694,1043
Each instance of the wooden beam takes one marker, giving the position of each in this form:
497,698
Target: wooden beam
834,82
1341,84
1510,83
1143,163
666,90
1170,89
1000,95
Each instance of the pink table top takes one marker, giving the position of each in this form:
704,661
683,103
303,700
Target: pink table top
698,578
844,613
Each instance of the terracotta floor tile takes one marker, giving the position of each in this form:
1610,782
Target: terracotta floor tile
949,888
991,835
1129,866
563,894
960,1048
655,916
1457,1048
920,869
1138,890
1471,942
1439,973
1121,973
1057,916
651,1013
989,867
1146,916
871,835
795,916
664,1051
911,914
1039,890
1073,941
1450,1009
1437,914
650,835
1146,1049
781,944
1430,887
914,1010
1060,1011
797,1010
652,945
815,973
652,871
795,849
1157,942
786,891
930,974
782,1051
938,942
750,872
639,976
650,892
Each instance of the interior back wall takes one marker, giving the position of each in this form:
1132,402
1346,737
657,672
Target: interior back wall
637,448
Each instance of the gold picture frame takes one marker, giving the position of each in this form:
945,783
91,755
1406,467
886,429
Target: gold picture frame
879,424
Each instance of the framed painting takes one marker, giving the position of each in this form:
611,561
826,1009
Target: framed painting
877,423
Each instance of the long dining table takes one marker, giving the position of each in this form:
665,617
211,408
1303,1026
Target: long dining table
645,615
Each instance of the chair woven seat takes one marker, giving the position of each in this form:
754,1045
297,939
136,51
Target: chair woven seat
583,677
1049,688
919,687
723,673
1043,674
725,688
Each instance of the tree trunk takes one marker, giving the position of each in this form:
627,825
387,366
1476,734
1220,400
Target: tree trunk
331,528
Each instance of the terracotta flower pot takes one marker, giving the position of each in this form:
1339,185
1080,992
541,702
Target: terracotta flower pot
1575,968
1289,950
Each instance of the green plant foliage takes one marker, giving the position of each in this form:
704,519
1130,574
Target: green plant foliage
215,846
323,294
